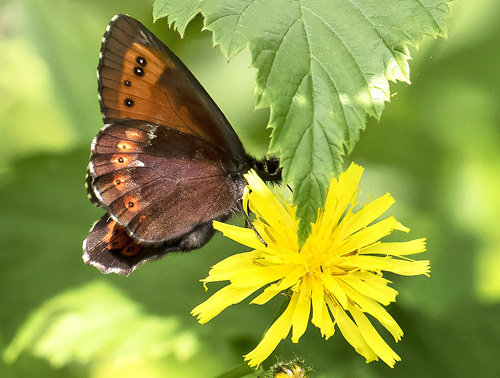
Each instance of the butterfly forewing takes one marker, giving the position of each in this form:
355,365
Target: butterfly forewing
140,78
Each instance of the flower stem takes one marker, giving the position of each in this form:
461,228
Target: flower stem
239,371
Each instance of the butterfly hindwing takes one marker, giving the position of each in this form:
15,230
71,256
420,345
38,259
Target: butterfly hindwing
110,249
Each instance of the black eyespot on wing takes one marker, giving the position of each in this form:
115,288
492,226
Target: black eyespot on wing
138,71
141,61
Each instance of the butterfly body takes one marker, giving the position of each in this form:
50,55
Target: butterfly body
167,163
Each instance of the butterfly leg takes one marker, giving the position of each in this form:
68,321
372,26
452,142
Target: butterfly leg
248,223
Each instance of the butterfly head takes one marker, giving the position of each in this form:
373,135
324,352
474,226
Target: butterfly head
268,169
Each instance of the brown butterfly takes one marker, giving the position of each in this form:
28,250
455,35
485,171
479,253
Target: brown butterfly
167,162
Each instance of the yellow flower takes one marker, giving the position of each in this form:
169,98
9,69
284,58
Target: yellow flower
336,274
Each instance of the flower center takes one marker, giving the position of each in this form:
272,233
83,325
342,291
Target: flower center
320,259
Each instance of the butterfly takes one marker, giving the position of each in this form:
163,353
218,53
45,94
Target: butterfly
166,163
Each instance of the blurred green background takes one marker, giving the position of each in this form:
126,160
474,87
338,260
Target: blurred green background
436,149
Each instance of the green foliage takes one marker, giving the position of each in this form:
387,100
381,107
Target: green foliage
322,67
436,150
97,323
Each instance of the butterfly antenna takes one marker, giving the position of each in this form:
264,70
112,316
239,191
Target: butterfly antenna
248,223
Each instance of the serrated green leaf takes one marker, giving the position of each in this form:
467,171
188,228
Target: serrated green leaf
178,13
323,67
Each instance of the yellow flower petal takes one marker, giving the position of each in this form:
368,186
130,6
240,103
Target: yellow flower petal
260,276
226,269
327,326
378,283
410,268
373,308
292,278
302,309
317,301
221,300
372,263
245,236
366,215
395,249
341,194
277,332
351,332
289,281
350,283
276,237
366,236
269,293
332,285
270,208
373,339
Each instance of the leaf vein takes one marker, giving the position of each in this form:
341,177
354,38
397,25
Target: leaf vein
346,46
430,15
334,86
276,53
386,44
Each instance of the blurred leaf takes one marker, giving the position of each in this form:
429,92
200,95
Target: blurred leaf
44,218
463,343
27,86
323,66
48,85
95,323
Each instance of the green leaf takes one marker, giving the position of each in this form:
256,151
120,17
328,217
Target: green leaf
97,323
185,11
323,66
